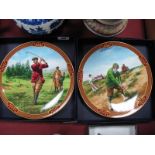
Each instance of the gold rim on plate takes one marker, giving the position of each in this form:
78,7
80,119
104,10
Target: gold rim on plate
69,88
107,98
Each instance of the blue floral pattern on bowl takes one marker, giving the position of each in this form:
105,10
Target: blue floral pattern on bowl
39,26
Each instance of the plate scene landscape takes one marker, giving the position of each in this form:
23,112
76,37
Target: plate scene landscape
36,79
115,81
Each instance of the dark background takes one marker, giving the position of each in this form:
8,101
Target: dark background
136,29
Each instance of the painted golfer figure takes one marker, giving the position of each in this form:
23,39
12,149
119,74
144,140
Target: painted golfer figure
113,81
57,75
37,79
91,82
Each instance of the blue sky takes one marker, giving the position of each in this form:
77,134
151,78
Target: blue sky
51,56
101,60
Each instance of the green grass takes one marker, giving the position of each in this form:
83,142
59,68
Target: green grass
99,83
19,91
138,73
133,82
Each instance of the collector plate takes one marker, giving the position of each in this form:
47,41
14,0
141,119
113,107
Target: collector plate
114,79
105,28
110,21
36,79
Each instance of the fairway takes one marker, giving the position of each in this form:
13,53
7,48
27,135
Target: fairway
19,92
135,81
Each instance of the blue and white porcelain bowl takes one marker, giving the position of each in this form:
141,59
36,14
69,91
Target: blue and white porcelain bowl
39,26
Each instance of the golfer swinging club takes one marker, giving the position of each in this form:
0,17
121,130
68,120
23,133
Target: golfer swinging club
113,81
37,79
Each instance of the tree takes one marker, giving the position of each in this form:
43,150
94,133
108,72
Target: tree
19,70
8,71
27,70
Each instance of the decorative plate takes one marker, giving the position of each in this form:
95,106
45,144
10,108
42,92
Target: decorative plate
105,28
39,26
36,79
114,79
110,21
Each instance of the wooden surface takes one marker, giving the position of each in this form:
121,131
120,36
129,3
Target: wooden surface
74,28
150,29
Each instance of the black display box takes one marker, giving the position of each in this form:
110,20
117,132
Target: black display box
147,113
68,113
76,110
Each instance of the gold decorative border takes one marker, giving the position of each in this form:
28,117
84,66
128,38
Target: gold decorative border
57,108
140,102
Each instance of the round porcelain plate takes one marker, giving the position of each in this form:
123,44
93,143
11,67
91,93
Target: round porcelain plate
104,30
114,79
37,80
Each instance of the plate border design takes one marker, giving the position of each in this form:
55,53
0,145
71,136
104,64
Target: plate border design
140,102
52,111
